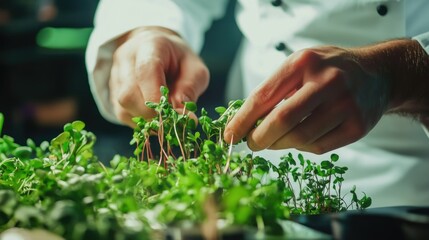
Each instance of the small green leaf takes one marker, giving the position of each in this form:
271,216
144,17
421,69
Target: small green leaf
338,180
365,202
154,125
68,127
60,139
78,125
28,216
234,196
191,106
334,157
44,145
236,103
197,135
209,146
117,178
36,163
64,212
22,152
151,104
301,159
31,143
115,161
339,170
326,164
220,110
191,124
164,91
78,197
137,119
243,213
1,123
8,201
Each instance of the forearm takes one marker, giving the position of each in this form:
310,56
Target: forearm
404,64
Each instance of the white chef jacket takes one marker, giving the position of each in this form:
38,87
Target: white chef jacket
390,164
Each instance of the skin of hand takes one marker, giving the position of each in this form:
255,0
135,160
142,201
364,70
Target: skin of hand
146,59
324,98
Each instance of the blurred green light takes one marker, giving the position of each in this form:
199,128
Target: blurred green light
1,122
63,38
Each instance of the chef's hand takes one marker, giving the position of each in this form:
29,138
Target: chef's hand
146,59
325,98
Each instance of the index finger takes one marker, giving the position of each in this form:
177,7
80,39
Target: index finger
150,75
262,100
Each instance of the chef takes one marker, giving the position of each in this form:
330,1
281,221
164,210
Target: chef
350,77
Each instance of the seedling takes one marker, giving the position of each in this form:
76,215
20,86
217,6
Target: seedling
62,187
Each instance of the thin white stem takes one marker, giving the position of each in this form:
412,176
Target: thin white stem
178,140
228,161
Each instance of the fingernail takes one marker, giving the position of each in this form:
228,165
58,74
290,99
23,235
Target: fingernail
179,101
252,145
227,136
186,98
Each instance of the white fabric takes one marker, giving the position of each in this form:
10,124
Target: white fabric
390,164
423,39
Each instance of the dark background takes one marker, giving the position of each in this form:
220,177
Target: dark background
42,88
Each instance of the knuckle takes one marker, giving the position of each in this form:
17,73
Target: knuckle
334,78
197,83
300,138
278,146
160,40
307,56
151,62
262,96
126,97
163,45
261,143
310,54
335,74
151,96
190,91
150,66
281,120
150,38
317,149
122,115
203,73
349,105
255,145
274,120
118,54
357,129
357,126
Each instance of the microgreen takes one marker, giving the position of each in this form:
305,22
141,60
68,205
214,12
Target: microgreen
1,122
62,186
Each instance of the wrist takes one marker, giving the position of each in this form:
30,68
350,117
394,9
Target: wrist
404,66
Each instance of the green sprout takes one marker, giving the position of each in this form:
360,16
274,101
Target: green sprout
61,186
1,122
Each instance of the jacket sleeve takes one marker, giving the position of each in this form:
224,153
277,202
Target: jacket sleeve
423,39
189,18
